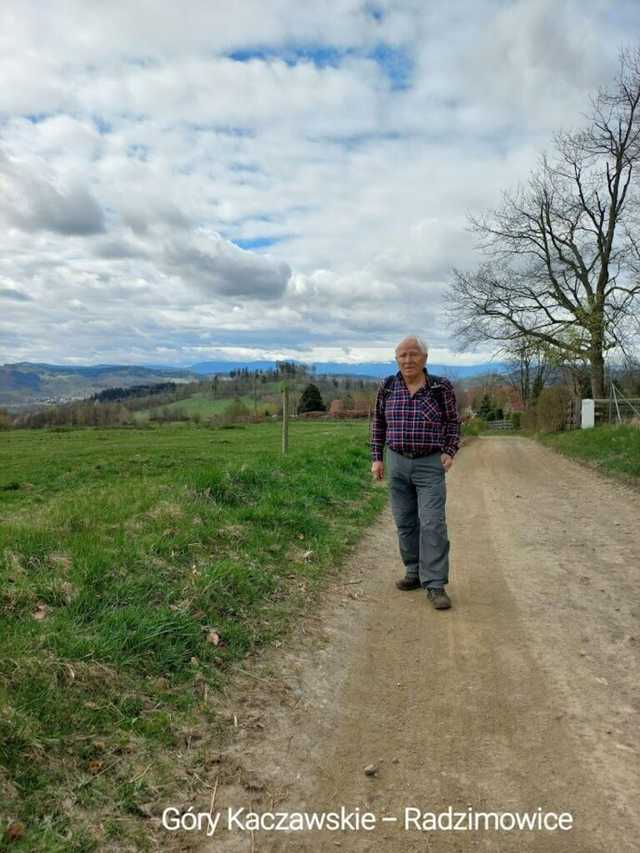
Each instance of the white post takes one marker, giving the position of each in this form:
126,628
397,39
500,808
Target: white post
588,419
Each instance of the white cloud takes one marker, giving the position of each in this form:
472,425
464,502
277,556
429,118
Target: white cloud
37,201
342,149
217,267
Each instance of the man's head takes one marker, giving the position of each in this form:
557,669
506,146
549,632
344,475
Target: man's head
411,355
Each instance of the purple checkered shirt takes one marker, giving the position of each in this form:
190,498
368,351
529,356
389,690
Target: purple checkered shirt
417,424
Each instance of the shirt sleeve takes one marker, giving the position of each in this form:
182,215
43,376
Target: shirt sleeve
451,442
378,428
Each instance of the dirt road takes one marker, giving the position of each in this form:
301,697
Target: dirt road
522,697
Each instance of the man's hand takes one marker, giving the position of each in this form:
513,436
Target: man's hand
447,461
377,469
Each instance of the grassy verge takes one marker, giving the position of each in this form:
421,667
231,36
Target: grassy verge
136,566
613,449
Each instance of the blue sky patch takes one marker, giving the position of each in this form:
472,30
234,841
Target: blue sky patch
394,62
355,140
102,126
258,242
321,56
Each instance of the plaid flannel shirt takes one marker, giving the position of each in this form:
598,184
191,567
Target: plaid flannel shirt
418,424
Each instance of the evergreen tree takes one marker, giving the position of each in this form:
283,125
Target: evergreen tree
486,408
311,400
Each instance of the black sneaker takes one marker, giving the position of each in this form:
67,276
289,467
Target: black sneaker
439,598
408,583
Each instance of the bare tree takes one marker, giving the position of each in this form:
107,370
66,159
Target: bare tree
564,260
528,367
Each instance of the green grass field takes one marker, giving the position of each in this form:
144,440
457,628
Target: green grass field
136,567
205,405
613,449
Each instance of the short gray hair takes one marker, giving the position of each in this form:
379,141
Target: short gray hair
422,344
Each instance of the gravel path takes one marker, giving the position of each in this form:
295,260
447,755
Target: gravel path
523,696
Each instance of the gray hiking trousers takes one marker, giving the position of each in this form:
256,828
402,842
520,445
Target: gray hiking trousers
418,496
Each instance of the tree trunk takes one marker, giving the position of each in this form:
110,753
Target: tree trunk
597,373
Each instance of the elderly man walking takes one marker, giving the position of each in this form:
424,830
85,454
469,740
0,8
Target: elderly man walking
416,417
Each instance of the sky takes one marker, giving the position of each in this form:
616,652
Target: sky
264,179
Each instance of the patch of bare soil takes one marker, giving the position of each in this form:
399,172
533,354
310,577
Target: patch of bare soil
522,697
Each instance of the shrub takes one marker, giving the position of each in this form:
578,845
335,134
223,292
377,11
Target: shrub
236,412
474,426
5,419
551,409
169,415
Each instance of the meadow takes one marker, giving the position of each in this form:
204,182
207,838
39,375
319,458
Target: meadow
204,405
138,566
614,449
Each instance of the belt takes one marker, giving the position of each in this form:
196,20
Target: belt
411,455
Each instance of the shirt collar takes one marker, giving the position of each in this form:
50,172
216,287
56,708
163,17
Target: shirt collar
424,370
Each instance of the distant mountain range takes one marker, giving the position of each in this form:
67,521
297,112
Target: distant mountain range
374,369
25,384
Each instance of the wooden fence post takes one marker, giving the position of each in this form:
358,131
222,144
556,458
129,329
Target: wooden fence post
285,417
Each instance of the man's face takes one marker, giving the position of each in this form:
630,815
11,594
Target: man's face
411,360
